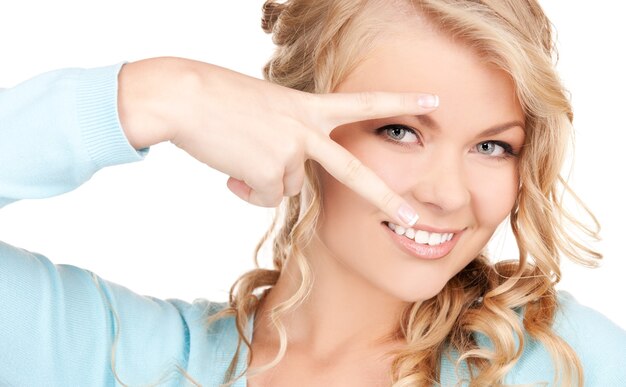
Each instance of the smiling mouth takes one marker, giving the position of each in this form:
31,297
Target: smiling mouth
420,236
423,244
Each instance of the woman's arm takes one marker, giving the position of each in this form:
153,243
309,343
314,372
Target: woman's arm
61,127
258,133
63,326
59,323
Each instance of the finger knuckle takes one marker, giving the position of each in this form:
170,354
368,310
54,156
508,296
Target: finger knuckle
407,101
367,100
305,105
354,170
314,142
269,174
292,150
388,199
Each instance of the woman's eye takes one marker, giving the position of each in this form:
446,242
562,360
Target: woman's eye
399,133
494,148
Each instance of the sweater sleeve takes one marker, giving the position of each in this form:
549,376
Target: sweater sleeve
61,325
64,326
57,130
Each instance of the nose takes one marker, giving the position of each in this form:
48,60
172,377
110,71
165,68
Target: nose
442,184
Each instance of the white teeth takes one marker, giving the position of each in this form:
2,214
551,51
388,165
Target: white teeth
434,239
420,236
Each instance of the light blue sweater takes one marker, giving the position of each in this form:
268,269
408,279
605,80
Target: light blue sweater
58,323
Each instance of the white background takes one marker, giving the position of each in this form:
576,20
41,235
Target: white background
168,226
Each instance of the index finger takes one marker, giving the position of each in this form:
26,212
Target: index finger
342,108
349,170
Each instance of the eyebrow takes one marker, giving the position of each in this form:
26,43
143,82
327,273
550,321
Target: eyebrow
430,123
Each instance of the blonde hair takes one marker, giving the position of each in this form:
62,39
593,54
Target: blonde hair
318,44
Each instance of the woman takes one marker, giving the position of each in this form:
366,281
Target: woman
492,150
356,297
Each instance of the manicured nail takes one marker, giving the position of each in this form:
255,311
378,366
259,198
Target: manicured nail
408,215
428,101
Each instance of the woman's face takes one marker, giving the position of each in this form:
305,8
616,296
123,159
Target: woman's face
457,166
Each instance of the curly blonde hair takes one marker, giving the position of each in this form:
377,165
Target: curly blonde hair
318,44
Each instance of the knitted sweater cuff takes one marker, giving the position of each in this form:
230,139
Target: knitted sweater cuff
98,118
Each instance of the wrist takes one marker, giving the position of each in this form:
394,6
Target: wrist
146,101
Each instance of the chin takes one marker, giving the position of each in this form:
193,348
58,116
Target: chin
418,294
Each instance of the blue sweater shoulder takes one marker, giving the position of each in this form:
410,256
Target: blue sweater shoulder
599,343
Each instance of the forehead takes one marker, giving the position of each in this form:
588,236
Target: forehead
411,57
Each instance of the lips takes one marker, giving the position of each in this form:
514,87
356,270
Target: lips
440,245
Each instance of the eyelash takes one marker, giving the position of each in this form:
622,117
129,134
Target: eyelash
384,129
508,149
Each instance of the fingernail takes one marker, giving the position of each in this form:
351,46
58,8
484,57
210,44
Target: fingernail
428,100
408,215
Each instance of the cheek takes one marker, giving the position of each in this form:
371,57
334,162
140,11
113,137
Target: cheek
393,167
341,207
494,194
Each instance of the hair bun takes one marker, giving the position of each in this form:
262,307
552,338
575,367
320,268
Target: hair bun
271,13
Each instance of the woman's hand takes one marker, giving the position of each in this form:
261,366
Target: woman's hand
257,132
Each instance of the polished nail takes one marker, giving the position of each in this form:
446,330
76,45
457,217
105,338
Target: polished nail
408,215
428,101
